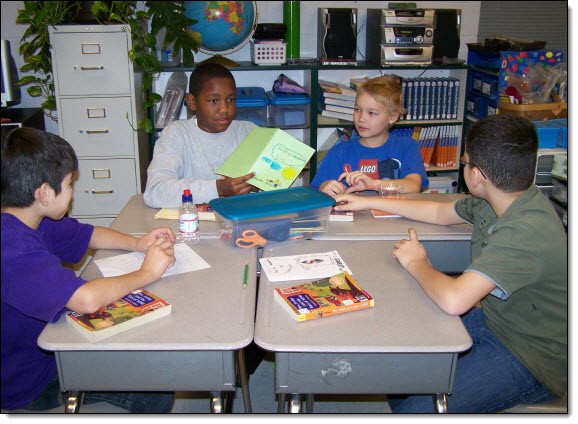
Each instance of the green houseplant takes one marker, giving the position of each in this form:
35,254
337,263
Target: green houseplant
41,15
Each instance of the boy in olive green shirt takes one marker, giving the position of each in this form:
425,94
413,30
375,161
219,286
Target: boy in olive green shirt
519,273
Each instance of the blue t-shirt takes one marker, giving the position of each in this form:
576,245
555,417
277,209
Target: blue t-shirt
396,159
35,289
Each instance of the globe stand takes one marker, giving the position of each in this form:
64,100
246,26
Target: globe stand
221,60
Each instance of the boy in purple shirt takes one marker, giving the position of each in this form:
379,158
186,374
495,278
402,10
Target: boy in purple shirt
37,174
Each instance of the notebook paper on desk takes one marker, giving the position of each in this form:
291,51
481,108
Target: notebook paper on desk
303,267
187,260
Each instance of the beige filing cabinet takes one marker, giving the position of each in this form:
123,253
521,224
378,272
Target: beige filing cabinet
99,101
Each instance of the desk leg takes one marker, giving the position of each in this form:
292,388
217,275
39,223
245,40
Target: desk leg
281,403
309,403
441,403
217,406
242,368
295,403
73,402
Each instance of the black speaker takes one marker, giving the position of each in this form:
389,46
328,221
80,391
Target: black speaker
446,40
337,33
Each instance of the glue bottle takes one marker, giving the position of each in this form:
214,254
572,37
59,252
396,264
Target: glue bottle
188,220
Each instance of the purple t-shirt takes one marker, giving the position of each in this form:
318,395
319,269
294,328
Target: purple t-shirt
35,289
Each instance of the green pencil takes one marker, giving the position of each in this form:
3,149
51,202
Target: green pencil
245,276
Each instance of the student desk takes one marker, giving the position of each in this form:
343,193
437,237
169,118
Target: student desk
404,344
196,348
448,246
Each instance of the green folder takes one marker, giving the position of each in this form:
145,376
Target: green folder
276,157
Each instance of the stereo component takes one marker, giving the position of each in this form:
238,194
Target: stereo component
407,35
337,35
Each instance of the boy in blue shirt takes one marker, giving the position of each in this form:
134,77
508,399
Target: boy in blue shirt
373,154
518,274
37,175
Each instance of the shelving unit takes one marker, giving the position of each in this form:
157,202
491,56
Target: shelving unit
248,75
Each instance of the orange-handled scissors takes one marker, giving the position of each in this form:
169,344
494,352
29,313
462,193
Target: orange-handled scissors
250,238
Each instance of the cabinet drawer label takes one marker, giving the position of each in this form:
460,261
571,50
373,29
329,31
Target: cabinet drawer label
100,173
96,112
90,48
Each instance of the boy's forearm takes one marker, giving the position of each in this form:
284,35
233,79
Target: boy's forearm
437,285
107,238
100,292
441,213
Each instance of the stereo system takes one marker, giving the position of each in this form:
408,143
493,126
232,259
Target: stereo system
400,37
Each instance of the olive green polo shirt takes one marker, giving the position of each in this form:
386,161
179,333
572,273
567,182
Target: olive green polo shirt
525,254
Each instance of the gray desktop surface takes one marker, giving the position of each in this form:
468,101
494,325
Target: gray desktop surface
366,227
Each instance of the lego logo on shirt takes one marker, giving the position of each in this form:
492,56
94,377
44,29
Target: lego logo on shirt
369,167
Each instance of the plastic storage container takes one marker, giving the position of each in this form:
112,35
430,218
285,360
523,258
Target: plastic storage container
288,110
278,215
268,53
552,133
252,105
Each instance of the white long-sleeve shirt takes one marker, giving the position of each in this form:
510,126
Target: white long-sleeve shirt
186,157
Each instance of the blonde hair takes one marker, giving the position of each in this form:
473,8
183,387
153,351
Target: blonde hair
386,90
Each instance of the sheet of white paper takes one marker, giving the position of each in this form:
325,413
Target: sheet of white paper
303,267
187,260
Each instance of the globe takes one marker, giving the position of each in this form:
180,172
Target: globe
224,26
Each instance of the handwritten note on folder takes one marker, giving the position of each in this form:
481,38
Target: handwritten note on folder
276,157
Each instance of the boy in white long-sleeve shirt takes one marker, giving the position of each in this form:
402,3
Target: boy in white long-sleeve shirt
188,152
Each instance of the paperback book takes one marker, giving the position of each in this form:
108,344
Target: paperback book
330,296
380,214
336,90
135,309
341,216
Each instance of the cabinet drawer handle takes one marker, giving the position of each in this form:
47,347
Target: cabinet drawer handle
91,68
96,131
94,191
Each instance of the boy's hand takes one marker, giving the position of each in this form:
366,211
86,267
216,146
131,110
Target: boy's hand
145,241
332,187
159,256
358,181
409,252
227,186
351,202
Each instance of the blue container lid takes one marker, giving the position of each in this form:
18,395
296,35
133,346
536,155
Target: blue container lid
552,123
288,98
270,203
251,97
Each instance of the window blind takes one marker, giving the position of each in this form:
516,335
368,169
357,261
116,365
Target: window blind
535,20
